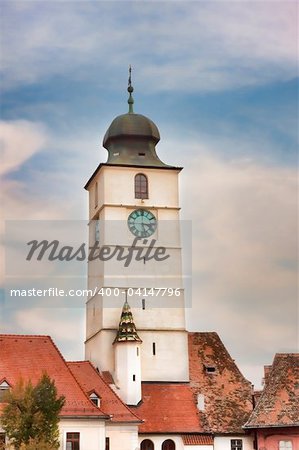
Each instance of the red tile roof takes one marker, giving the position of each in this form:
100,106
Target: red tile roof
111,404
28,357
227,394
165,407
197,439
168,408
107,377
278,405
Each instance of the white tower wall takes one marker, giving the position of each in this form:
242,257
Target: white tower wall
159,318
127,375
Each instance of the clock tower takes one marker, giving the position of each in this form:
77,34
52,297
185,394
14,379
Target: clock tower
134,210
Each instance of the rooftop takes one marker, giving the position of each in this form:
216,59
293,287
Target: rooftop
223,395
91,380
278,405
168,408
28,357
226,394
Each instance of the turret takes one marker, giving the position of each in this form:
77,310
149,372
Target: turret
127,358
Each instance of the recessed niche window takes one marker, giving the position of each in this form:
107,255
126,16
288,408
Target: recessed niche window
95,399
96,195
97,230
154,348
137,351
107,443
143,303
141,186
134,377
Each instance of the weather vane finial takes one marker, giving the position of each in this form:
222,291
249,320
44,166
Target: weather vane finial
130,90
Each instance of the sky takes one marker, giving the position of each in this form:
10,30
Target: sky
219,78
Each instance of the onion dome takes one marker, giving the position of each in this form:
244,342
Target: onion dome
130,125
131,138
127,330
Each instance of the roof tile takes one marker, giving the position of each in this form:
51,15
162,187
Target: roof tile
28,357
197,439
227,394
278,405
169,408
111,404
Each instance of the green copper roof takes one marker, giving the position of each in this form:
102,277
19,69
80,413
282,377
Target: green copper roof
131,138
127,329
130,125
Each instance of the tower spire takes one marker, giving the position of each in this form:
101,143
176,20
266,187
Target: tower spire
130,90
127,329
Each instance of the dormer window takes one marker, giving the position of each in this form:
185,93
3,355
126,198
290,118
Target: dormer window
141,186
95,399
210,369
4,388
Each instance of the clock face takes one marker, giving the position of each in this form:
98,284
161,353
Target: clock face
142,223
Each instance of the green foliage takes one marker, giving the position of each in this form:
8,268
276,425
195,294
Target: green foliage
31,415
37,444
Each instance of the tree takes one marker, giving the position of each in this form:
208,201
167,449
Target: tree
37,444
31,414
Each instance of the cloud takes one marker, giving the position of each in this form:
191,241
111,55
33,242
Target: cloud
20,139
23,198
244,253
46,321
53,322
44,189
247,213
209,46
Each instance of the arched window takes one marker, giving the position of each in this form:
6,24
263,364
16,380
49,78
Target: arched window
147,444
141,186
168,445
